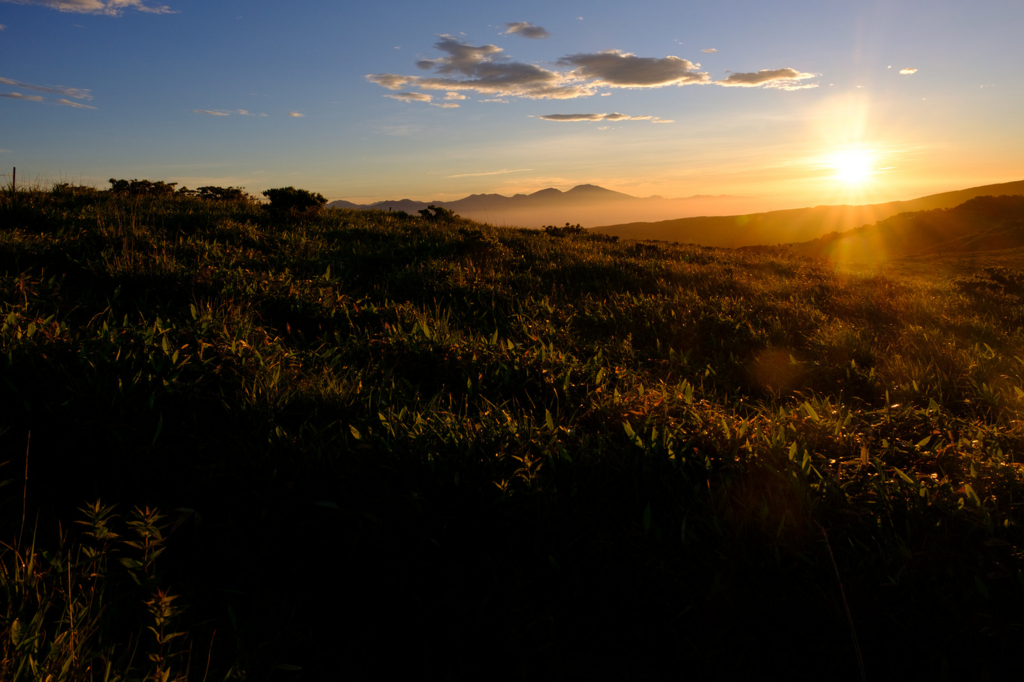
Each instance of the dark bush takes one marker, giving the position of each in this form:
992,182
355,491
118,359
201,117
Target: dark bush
67,189
221,193
569,229
291,201
436,214
142,188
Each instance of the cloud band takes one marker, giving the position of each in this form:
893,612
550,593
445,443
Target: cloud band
567,118
783,79
109,7
483,69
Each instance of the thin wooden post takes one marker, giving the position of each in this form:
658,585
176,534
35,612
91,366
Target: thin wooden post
14,180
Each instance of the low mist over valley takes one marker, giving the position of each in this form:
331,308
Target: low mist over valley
587,205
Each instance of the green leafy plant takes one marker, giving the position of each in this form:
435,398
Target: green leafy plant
70,613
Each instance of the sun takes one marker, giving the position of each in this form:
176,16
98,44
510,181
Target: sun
853,167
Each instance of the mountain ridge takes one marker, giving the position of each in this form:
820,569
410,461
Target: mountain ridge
578,190
587,204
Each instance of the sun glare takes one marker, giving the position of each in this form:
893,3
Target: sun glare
853,167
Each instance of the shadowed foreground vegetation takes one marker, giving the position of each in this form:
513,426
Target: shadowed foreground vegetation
280,446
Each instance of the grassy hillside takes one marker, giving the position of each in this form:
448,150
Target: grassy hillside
794,225
492,453
980,224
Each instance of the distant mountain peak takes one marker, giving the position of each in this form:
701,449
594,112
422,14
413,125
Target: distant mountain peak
594,189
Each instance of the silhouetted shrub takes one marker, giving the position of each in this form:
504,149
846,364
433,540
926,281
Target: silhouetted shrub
221,193
436,214
142,188
565,231
67,189
295,202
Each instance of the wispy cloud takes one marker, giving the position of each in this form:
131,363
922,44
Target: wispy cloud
908,71
108,7
411,97
428,99
790,86
28,98
226,112
526,30
295,114
499,172
568,118
709,50
77,93
73,105
617,69
391,81
782,79
46,100
2,27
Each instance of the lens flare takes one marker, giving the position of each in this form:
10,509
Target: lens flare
853,167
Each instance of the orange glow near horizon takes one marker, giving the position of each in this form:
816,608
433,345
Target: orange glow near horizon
849,148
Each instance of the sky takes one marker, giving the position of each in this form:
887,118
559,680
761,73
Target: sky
793,103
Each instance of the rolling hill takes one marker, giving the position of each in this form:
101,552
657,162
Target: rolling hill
794,225
980,224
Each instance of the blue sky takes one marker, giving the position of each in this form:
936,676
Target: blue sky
795,102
